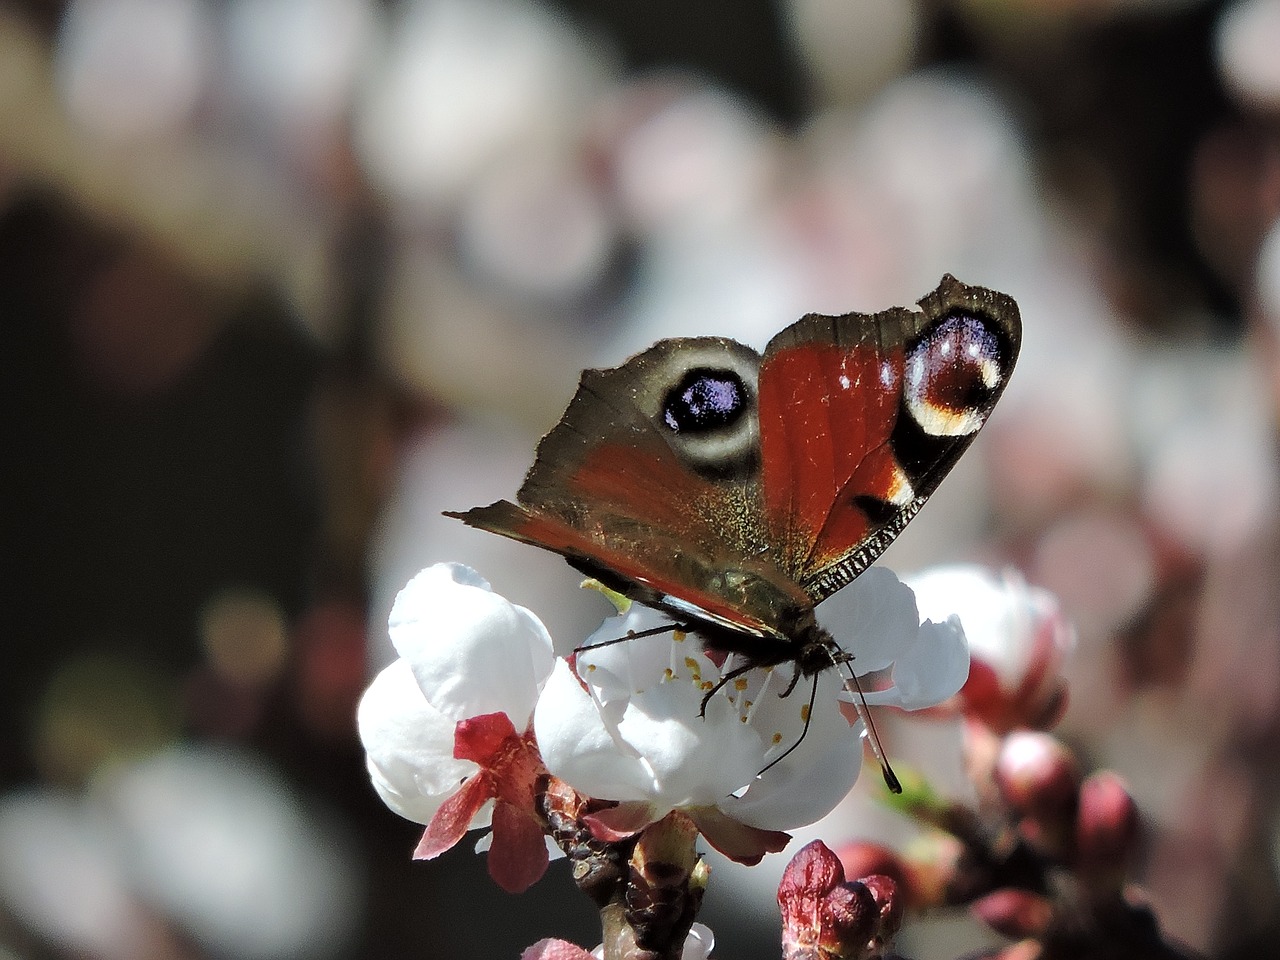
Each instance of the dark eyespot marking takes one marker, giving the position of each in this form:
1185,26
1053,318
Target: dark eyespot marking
951,374
705,400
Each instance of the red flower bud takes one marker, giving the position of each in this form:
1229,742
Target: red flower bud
865,859
892,905
823,917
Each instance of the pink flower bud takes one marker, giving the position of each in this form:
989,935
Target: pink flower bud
1106,826
551,949
1022,950
1038,778
1014,913
1037,775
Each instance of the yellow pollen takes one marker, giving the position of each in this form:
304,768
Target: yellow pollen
691,663
777,739
668,673
742,719
705,684
678,635
804,713
740,683
748,704
591,668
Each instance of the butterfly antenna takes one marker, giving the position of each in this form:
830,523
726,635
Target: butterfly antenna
864,714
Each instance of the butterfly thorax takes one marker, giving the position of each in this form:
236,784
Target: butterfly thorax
806,644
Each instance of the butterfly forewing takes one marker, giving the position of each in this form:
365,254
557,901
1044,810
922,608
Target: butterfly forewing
862,415
829,397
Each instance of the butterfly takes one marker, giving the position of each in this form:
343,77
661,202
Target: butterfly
736,491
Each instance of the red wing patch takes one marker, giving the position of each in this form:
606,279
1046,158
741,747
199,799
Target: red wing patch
827,413
657,492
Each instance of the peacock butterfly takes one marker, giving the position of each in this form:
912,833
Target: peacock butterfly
736,491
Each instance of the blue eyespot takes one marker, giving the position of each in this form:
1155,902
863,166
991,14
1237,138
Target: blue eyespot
705,400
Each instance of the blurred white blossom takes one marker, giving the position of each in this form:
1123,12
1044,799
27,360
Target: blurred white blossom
464,84
130,69
1247,38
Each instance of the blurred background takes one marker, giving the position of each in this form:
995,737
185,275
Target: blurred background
282,279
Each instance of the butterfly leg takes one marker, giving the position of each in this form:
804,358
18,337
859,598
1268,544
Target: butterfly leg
632,635
734,674
795,678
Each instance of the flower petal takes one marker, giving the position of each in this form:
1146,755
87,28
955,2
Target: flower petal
1001,614
874,618
812,779
473,651
692,759
699,944
933,669
625,820
617,670
409,745
577,747
482,738
735,839
550,949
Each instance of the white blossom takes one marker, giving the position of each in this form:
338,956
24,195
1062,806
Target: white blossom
464,652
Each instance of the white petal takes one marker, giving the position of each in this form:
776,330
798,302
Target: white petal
694,760
472,651
652,746
617,670
650,691
873,618
409,745
699,944
814,777
786,804
577,747
994,608
934,669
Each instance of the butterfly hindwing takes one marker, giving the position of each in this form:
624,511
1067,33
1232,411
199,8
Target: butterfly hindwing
650,483
658,573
